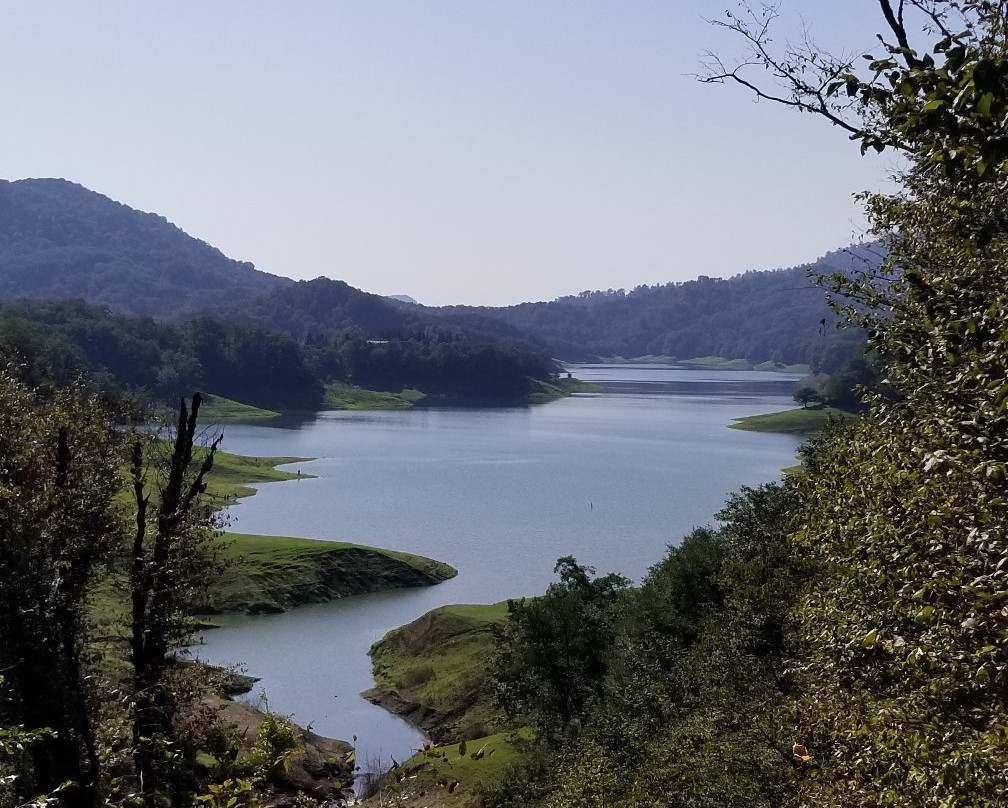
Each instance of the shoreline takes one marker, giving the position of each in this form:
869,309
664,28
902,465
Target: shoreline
282,572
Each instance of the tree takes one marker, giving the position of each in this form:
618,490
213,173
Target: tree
906,513
553,652
806,394
172,556
59,525
62,531
698,698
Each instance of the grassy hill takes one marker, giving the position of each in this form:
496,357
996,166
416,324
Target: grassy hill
275,573
433,673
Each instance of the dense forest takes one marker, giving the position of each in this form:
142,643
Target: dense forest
780,316
55,343
95,286
59,240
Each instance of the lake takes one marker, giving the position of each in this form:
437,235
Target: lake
611,478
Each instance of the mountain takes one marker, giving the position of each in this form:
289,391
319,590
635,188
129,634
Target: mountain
61,240
130,301
777,315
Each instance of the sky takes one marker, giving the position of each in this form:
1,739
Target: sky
458,151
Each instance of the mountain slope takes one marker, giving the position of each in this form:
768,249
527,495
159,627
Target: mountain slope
59,239
774,315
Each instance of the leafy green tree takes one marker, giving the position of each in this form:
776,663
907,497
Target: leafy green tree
806,394
697,705
906,515
553,655
59,525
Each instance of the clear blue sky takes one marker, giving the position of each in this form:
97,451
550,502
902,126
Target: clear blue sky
471,151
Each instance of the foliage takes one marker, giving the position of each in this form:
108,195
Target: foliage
55,342
846,386
905,656
59,526
58,239
88,716
266,342
172,559
247,780
271,341
552,658
806,395
757,316
695,704
442,365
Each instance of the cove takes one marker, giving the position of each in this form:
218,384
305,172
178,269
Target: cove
611,478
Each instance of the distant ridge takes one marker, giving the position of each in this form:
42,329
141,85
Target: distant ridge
778,315
61,240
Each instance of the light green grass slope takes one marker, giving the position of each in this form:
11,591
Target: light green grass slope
795,422
433,671
274,573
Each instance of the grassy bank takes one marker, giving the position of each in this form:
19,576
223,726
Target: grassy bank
348,397
559,388
274,573
345,397
432,672
233,475
794,422
708,363
217,408
450,776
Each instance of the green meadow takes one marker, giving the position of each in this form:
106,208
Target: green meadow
798,421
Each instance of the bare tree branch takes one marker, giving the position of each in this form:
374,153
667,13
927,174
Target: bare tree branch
895,22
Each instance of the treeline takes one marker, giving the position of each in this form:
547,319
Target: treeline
677,692
446,365
60,240
57,342
779,316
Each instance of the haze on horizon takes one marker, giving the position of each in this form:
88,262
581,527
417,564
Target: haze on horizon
453,151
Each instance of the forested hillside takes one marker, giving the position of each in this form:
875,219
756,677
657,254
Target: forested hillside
779,316
136,303
56,342
58,239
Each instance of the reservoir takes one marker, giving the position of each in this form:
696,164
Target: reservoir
611,478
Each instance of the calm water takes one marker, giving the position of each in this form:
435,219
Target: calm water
611,478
